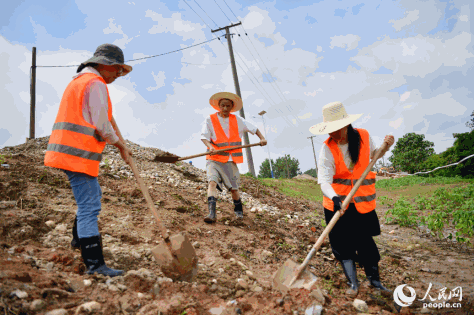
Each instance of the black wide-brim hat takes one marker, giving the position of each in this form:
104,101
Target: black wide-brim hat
107,54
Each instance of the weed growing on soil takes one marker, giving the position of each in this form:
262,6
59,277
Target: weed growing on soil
414,180
2,158
447,207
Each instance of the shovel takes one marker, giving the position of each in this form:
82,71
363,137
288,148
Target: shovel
290,275
175,255
173,159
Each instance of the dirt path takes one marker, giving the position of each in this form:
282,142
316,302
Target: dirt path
37,210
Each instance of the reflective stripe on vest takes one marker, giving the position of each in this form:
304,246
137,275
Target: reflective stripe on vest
75,144
79,129
61,148
222,141
343,181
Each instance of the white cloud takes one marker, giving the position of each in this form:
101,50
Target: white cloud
117,29
463,18
416,56
396,123
410,17
404,96
319,49
350,41
159,80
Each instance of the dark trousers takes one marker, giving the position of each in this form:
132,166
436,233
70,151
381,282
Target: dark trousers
351,237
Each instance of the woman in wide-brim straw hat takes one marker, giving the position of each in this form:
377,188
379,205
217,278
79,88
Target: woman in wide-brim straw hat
343,158
222,130
84,124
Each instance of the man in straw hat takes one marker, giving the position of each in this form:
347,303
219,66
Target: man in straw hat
83,125
222,130
343,158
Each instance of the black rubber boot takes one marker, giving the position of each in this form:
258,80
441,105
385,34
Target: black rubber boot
91,249
211,218
372,273
239,212
350,271
75,238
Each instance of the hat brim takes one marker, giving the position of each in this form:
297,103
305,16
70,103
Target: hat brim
214,100
331,126
106,61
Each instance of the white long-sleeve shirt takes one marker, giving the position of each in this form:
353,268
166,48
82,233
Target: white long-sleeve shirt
95,107
327,165
209,134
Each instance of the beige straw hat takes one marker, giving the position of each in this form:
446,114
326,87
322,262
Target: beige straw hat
214,100
335,117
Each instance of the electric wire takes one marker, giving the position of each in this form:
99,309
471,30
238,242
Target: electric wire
148,57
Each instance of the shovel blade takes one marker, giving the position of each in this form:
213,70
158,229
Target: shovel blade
166,159
284,275
183,266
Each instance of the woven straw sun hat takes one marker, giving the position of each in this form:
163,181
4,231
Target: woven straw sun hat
214,100
335,117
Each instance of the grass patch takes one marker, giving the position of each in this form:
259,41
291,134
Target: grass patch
417,180
300,189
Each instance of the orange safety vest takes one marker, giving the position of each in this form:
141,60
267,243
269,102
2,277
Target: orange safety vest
74,144
223,142
344,180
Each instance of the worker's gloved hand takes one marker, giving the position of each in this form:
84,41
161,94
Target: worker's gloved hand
337,204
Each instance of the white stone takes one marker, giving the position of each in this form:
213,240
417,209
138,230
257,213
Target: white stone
114,288
140,295
242,265
50,223
88,307
253,209
257,289
62,228
360,306
59,311
20,294
267,253
87,282
37,305
249,273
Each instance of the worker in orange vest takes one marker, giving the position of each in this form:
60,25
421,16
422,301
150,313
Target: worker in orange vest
83,126
222,130
344,156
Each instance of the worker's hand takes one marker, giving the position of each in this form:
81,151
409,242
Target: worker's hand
126,154
263,142
211,150
338,204
389,140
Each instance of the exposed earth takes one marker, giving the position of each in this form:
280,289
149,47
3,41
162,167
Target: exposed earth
41,274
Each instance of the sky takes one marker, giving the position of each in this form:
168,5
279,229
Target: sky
406,65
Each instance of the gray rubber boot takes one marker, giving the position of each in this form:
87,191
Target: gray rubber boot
350,271
211,218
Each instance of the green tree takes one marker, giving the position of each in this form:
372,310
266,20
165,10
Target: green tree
410,152
470,123
265,171
463,146
280,169
311,172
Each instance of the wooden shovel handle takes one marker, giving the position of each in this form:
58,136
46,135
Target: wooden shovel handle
145,192
217,151
336,216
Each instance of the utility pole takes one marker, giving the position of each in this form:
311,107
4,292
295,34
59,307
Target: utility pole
248,152
33,94
315,163
268,147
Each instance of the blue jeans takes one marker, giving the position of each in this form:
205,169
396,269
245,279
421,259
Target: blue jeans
87,193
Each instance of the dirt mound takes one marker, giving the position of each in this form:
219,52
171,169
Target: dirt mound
39,272
305,176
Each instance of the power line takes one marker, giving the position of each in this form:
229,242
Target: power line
204,12
218,37
223,11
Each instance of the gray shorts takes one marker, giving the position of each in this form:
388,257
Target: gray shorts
224,174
